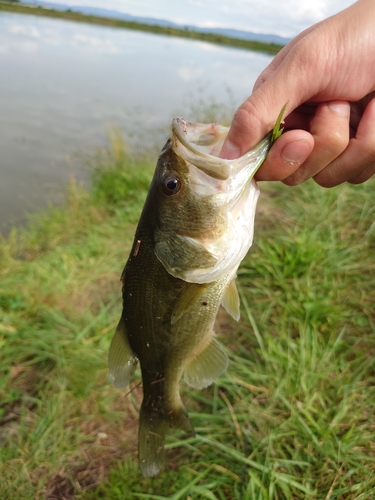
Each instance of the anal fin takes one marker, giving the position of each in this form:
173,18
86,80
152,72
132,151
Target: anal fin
121,359
204,368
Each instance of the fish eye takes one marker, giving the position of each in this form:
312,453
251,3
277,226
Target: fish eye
170,184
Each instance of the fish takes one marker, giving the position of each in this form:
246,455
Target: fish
196,226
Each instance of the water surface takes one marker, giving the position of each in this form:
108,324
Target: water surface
63,85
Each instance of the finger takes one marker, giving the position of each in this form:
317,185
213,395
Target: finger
296,77
364,176
359,157
330,130
258,114
280,56
286,155
301,117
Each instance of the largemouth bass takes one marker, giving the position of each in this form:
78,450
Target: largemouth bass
196,226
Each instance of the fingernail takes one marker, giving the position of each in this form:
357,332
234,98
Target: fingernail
229,151
340,107
296,152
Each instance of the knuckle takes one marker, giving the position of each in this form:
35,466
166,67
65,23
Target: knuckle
369,148
245,118
293,180
328,178
325,181
246,127
363,176
337,141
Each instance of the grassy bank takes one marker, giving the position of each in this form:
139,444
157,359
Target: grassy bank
268,48
293,418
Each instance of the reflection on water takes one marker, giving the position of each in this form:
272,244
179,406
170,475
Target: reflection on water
63,84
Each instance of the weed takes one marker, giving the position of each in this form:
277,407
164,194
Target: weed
293,417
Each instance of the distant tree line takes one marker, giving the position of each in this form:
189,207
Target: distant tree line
186,32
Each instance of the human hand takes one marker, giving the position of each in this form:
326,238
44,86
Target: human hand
327,76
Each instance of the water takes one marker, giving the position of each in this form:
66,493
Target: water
63,85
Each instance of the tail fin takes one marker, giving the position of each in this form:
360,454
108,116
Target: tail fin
153,427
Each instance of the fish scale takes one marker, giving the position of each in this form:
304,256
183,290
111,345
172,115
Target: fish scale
196,226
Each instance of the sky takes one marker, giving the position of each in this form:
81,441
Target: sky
280,17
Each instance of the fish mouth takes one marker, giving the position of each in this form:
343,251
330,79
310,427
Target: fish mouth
230,188
200,143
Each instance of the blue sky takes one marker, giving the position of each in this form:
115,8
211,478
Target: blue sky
281,17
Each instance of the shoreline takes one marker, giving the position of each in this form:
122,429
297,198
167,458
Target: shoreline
267,48
301,375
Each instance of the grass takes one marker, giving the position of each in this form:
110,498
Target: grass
293,417
267,48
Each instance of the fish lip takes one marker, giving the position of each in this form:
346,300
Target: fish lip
212,165
180,129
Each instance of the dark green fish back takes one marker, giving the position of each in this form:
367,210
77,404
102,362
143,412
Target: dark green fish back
166,324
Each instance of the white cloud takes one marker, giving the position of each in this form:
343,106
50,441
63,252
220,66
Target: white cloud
188,74
30,46
29,31
105,46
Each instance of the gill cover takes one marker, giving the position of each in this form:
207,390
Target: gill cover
229,186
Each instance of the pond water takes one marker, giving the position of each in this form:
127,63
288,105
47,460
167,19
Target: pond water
64,85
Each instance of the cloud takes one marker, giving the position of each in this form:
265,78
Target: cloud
23,38
188,74
104,46
28,31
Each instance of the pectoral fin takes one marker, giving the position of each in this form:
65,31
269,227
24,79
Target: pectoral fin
121,359
180,254
206,366
187,300
231,300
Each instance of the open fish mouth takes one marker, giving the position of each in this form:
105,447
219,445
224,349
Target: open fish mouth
199,144
225,187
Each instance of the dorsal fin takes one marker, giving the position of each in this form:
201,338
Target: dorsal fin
121,359
231,300
204,368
